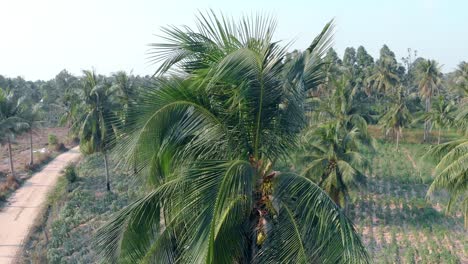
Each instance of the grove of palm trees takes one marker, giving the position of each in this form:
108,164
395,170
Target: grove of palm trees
240,149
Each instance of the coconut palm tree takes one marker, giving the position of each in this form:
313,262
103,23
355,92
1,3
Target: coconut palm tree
384,79
333,158
209,140
96,122
11,123
461,78
397,116
32,114
340,109
125,92
429,80
451,172
440,115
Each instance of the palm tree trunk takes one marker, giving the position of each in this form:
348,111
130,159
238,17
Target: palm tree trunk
397,139
10,155
107,172
427,123
31,156
438,138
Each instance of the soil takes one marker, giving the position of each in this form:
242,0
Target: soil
21,152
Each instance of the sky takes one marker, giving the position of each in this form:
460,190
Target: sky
39,38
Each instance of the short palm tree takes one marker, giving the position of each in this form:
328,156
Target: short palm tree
397,116
440,115
429,80
451,171
333,158
208,141
96,121
340,108
11,123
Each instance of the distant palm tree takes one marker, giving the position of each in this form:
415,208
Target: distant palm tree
11,123
96,121
32,114
125,92
397,116
333,158
209,140
440,115
384,79
429,80
339,108
461,78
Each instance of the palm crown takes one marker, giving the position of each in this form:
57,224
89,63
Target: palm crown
208,138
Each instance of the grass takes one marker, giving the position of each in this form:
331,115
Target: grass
396,221
75,210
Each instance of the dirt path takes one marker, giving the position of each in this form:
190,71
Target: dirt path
23,207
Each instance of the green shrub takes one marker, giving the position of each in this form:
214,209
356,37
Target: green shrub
70,173
52,140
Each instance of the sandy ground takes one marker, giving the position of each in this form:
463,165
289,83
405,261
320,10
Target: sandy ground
24,206
21,150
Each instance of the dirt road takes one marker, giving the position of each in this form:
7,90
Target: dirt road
23,207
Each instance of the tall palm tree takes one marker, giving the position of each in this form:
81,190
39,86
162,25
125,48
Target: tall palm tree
11,123
429,80
208,141
397,116
461,78
96,122
332,156
32,114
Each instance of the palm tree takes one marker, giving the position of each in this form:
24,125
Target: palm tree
125,92
208,141
95,123
333,159
461,78
32,115
11,124
440,115
429,80
341,109
384,78
451,172
397,116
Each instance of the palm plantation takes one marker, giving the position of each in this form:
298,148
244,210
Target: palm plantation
238,148
216,134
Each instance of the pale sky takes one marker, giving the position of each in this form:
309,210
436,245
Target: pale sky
39,38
